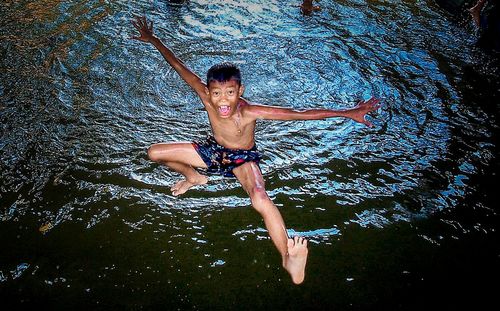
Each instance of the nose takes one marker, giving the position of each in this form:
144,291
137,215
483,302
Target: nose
224,98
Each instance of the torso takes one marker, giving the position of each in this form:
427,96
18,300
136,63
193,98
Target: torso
236,132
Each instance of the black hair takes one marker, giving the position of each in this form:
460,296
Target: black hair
224,72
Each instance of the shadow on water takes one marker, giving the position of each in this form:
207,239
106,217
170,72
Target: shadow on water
399,216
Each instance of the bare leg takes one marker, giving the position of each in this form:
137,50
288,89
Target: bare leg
475,11
181,157
293,251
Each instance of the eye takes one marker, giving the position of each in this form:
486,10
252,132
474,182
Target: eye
230,92
216,93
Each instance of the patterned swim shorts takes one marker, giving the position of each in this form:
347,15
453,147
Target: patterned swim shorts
221,160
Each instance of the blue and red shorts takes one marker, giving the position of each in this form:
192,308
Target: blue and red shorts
221,160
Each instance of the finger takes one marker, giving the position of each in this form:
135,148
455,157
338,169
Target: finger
135,25
375,105
138,20
373,101
368,123
151,26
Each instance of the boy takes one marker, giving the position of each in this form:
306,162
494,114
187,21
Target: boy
231,151
475,11
307,7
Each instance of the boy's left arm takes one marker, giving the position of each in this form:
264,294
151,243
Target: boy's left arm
357,113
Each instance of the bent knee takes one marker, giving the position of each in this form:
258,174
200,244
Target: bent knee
258,195
154,154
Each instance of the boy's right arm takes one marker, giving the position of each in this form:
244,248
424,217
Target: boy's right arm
146,35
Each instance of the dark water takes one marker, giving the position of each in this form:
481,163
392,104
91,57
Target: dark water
399,216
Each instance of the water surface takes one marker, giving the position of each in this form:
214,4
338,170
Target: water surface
396,215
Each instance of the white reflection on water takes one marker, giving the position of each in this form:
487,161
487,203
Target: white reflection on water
101,99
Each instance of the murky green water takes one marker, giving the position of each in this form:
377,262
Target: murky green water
397,215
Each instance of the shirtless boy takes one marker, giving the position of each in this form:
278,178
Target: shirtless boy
475,11
307,7
231,151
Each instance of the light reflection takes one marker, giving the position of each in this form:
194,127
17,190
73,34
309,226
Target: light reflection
78,118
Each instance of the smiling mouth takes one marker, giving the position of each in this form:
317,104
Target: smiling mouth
224,110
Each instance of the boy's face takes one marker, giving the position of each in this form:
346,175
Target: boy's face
225,96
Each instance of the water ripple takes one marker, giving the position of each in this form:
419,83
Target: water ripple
80,103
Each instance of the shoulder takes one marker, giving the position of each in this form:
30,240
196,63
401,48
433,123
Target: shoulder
251,110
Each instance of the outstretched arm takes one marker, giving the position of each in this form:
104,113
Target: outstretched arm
357,113
146,35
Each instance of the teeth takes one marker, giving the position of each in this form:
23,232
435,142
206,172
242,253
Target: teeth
224,109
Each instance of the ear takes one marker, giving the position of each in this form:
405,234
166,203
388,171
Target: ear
207,91
242,89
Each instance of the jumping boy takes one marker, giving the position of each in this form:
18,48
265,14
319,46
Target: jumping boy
231,151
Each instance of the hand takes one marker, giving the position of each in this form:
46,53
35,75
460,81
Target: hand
146,32
363,108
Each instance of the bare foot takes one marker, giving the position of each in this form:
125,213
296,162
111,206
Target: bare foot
296,259
183,185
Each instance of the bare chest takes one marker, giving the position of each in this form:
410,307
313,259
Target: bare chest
234,132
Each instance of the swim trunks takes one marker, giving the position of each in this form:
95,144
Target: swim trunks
221,160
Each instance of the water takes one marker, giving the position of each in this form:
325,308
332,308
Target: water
397,215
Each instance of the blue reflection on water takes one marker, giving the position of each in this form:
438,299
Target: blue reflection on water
81,102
